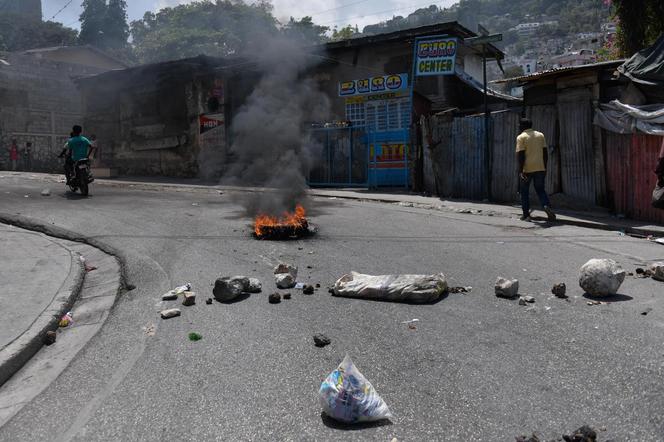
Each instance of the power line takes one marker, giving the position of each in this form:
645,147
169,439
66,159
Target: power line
377,13
339,7
62,9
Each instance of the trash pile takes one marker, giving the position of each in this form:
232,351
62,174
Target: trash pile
397,288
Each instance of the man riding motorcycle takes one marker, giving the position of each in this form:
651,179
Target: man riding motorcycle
77,148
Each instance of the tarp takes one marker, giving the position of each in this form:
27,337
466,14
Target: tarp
626,119
646,66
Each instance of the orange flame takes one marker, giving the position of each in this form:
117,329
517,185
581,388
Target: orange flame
296,219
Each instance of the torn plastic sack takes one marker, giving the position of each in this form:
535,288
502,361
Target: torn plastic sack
347,396
399,288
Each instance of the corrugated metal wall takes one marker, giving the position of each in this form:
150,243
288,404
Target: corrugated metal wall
631,161
504,178
545,120
643,161
442,156
576,148
618,173
470,175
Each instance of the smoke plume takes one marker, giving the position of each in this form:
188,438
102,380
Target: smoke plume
270,147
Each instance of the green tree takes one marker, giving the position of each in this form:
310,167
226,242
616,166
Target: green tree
116,29
640,23
345,33
92,21
218,28
306,31
18,33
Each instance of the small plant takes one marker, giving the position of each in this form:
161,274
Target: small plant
195,337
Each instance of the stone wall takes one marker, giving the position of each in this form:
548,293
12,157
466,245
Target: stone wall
39,102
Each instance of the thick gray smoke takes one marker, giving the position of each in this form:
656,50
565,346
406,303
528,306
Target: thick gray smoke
271,147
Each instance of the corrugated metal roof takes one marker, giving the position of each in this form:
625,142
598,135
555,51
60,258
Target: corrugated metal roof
564,70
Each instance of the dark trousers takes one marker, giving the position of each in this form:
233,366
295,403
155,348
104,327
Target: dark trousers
538,179
69,168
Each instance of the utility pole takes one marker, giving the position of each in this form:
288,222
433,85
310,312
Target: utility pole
483,40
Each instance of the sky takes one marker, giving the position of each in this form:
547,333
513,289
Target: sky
325,12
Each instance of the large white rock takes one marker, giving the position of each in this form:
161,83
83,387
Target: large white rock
601,277
657,270
285,281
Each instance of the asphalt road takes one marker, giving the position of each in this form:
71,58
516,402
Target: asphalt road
476,368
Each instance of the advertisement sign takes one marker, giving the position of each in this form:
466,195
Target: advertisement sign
210,122
374,85
436,56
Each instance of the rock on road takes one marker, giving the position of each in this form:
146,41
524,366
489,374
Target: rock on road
476,367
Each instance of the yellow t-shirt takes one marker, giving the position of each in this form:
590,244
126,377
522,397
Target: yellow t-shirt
533,143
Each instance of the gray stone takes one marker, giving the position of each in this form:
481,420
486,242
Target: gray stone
50,337
560,290
657,270
308,290
522,301
529,299
230,287
284,281
286,268
46,192
255,286
189,299
170,296
321,340
601,277
507,288
274,298
170,313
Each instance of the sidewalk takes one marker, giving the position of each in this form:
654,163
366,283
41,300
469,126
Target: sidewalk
41,277
596,219
591,219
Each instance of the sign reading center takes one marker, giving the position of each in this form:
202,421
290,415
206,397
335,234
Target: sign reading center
435,57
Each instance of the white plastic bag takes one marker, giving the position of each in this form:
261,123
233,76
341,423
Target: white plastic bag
400,288
347,396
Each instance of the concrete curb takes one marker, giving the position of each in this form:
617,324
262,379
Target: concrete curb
15,355
59,232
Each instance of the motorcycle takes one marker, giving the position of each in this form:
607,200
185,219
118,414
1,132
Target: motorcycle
82,177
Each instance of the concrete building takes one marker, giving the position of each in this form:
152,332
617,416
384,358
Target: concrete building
28,8
39,101
574,58
157,119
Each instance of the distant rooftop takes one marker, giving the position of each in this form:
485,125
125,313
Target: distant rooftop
563,70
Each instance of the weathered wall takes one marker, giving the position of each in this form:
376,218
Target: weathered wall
39,102
147,118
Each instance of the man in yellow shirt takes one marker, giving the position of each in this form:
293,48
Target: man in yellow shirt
532,156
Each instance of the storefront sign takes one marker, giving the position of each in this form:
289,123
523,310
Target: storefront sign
374,85
436,56
210,122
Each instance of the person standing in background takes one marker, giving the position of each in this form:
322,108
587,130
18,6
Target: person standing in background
532,157
659,171
27,157
13,155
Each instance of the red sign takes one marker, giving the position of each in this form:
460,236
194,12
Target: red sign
209,122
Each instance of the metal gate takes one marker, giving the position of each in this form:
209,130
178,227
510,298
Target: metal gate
343,159
388,136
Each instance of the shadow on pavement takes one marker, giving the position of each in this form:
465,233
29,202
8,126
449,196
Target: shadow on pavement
331,423
612,298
